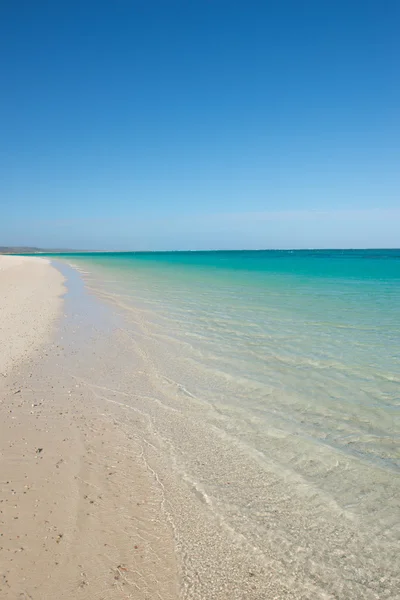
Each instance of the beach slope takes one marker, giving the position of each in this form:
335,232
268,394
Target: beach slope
80,508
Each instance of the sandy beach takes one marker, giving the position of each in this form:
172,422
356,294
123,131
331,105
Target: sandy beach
80,509
29,303
121,478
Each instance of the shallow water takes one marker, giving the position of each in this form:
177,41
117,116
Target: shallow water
271,382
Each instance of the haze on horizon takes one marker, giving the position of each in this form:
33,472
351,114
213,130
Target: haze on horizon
173,125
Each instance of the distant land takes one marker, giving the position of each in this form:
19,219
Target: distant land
29,250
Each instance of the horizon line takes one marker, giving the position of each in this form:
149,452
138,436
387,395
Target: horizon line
36,250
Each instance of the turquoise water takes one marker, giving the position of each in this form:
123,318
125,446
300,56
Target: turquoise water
279,372
314,335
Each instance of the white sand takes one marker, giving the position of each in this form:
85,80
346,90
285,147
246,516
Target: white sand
30,300
80,509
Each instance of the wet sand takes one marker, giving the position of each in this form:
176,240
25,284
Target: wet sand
81,513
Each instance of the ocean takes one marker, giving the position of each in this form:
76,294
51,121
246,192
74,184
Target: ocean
271,380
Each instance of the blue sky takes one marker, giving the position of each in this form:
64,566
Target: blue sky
200,124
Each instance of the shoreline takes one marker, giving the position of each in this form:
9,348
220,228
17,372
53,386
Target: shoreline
81,509
128,481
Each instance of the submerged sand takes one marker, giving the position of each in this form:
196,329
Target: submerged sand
80,511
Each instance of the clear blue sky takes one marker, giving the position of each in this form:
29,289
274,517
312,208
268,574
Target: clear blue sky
200,123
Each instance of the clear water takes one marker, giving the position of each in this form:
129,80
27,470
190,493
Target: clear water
286,364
